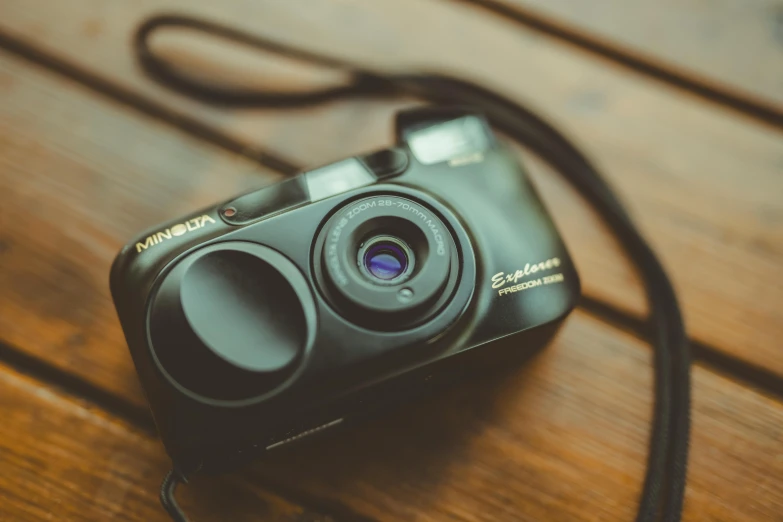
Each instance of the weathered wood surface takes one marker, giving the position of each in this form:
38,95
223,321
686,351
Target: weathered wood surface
736,44
562,439
79,177
704,184
63,460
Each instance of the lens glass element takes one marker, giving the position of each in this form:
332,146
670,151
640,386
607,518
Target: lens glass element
385,259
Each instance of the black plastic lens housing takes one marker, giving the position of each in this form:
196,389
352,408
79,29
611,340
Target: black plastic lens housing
386,262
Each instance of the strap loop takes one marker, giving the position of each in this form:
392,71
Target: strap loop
664,482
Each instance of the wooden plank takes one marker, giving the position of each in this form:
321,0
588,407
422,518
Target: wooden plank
96,175
733,43
563,439
595,477
65,460
704,184
78,178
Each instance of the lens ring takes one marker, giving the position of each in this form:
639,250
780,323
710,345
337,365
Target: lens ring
355,226
385,260
443,259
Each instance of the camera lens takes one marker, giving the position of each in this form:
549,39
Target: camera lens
386,259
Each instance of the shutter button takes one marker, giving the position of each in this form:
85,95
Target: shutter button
387,162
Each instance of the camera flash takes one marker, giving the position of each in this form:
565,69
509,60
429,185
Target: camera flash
453,139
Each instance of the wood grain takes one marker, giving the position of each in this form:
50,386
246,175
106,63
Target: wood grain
713,40
78,178
562,439
96,175
64,460
704,185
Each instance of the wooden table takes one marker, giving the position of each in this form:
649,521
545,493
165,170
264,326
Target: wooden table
681,106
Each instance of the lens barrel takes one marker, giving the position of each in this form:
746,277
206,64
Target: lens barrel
386,262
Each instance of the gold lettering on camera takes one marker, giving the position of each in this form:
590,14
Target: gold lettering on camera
175,230
507,283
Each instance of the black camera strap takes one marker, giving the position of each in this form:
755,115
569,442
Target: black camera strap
664,482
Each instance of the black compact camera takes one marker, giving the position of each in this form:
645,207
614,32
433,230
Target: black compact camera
312,302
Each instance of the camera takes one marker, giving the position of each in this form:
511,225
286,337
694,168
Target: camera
316,301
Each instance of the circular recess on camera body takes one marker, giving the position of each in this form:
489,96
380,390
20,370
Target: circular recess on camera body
231,321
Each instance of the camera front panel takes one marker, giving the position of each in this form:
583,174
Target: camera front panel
285,306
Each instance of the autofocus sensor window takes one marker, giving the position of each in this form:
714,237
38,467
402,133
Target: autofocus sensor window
386,261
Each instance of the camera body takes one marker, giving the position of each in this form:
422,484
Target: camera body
312,302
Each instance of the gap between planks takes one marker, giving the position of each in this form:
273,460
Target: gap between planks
320,509
737,100
716,360
739,370
117,93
